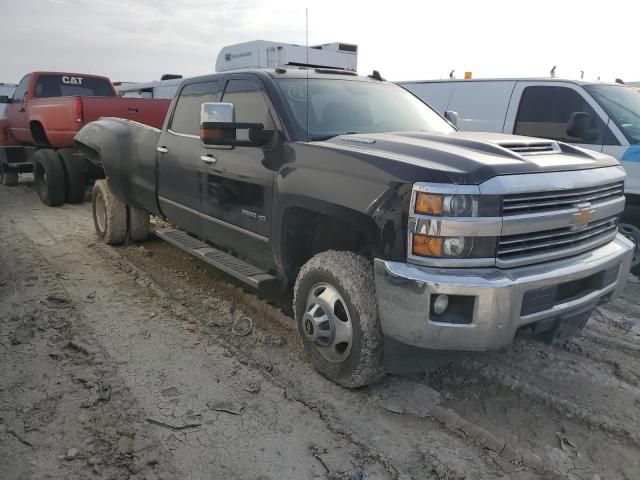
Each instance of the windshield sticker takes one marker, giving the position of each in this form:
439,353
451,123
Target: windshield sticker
72,80
299,94
631,154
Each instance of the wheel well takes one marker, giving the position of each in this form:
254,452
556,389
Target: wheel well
38,134
632,199
307,233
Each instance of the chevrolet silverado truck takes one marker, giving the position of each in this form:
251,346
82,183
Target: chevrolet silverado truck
387,222
43,115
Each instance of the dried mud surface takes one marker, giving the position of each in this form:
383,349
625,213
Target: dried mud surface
139,362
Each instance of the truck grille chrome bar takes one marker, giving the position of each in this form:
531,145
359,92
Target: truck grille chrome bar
523,246
517,204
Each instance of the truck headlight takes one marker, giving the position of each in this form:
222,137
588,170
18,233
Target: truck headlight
452,247
453,225
446,205
456,205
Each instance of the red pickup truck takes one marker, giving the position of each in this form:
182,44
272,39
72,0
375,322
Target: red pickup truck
45,113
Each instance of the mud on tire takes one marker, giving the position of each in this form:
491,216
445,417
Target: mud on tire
109,214
348,279
138,223
75,175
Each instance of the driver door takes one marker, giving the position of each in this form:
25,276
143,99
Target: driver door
237,184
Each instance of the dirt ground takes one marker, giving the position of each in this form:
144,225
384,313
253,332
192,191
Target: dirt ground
139,362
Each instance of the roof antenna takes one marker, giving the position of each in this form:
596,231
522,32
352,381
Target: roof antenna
451,74
306,21
553,72
619,80
581,74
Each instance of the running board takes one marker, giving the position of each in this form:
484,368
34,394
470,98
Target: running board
235,267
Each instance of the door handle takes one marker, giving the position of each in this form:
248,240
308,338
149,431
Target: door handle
162,149
210,159
133,109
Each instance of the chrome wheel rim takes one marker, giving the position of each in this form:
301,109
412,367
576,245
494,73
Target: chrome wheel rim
327,324
101,213
632,233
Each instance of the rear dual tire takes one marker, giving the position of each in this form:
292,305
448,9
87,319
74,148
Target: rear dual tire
75,168
49,177
59,176
113,219
7,178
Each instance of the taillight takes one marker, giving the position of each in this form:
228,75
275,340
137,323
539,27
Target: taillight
76,110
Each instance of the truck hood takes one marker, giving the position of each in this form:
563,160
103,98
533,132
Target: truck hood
469,157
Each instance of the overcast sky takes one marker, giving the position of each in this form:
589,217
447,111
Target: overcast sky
140,40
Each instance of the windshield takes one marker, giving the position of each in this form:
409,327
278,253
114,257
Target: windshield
623,106
345,106
70,85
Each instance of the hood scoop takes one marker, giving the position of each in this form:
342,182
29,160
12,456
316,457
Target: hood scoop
531,148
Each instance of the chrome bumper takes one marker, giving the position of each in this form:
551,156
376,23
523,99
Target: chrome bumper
404,297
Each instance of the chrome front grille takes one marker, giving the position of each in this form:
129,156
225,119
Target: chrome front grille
563,241
523,203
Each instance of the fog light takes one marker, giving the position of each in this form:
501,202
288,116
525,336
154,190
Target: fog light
440,304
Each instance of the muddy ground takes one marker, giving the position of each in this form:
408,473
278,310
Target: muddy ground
139,362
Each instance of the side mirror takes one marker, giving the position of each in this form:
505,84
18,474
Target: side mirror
452,116
218,127
4,99
578,126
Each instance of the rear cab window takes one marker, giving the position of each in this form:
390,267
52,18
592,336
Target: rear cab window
48,85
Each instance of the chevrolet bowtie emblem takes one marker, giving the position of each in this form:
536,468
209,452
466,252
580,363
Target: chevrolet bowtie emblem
583,216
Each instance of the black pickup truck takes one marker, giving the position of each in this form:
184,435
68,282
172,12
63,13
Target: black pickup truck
387,222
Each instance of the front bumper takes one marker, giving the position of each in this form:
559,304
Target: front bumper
496,313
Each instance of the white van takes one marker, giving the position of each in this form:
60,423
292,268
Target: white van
154,89
599,116
6,89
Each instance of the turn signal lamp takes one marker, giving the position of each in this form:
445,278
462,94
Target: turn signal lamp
427,246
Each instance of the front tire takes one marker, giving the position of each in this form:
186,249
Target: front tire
109,214
49,177
630,228
76,177
337,316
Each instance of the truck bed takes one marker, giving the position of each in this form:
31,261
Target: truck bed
62,117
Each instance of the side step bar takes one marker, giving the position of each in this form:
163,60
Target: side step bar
235,267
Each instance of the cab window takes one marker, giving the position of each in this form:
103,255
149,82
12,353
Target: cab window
186,116
21,89
546,112
249,103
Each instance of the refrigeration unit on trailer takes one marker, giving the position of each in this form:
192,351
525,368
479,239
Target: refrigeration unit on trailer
267,54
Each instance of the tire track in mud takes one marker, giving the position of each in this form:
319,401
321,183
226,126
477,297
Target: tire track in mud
495,462
259,424
567,428
550,450
60,395
440,444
